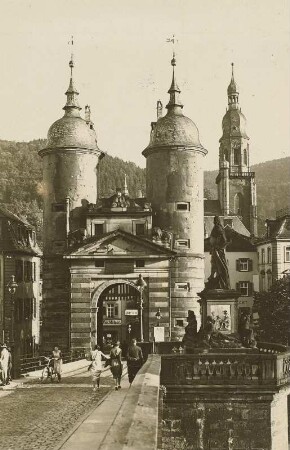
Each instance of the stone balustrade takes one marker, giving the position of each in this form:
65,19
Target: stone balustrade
255,367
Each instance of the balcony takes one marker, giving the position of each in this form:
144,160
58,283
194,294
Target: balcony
242,174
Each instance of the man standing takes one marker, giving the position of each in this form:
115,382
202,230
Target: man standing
134,360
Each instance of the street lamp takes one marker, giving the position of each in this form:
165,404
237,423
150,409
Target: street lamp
158,316
141,284
12,286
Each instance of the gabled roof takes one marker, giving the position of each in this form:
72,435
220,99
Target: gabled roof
238,242
237,224
119,243
9,215
277,229
13,242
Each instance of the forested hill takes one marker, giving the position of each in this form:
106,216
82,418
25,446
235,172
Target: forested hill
21,175
273,187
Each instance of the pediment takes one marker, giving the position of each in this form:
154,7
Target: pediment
120,243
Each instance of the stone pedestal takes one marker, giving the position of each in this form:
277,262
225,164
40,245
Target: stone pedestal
222,306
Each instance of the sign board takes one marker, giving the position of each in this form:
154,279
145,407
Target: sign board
245,302
159,334
131,312
112,322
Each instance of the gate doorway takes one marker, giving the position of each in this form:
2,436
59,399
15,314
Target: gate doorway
118,316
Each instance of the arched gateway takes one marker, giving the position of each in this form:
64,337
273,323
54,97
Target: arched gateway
116,309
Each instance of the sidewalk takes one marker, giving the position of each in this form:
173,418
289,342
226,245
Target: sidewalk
67,369
92,432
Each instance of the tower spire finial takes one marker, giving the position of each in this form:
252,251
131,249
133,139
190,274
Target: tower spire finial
233,93
174,91
71,107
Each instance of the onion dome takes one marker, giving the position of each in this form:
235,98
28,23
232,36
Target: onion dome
71,131
174,129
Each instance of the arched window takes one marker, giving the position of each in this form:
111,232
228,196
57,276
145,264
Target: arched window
238,203
245,157
236,156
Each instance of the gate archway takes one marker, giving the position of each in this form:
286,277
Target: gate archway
117,306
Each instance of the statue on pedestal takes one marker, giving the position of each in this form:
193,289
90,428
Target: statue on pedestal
219,277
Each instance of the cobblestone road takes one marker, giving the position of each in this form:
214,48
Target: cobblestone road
38,416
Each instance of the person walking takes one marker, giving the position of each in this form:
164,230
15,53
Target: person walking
116,364
96,366
134,360
57,362
5,358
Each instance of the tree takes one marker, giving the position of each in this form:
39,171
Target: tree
273,308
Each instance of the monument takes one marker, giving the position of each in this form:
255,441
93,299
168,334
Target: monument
225,391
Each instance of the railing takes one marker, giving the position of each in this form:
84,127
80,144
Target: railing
30,364
241,174
243,367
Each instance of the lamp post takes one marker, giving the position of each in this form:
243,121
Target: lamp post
141,284
12,286
158,316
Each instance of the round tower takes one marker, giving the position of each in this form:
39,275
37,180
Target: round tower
174,177
70,161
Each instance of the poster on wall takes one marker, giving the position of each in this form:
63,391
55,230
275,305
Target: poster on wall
221,314
159,334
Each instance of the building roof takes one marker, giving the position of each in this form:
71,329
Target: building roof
236,224
15,242
119,243
237,242
174,129
277,229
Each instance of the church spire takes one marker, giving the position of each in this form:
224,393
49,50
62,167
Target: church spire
174,91
233,93
72,106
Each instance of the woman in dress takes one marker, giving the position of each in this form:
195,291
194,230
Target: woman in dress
116,364
96,366
57,362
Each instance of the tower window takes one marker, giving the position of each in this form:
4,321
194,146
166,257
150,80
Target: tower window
183,206
181,286
179,322
245,157
98,229
236,156
140,229
238,203
263,256
99,263
182,243
140,263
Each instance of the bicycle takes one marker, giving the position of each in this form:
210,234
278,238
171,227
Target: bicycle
47,371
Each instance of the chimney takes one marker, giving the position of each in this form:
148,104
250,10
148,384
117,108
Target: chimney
159,109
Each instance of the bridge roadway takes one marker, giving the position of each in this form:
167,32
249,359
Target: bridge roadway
43,416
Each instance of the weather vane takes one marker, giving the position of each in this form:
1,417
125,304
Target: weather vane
71,63
173,40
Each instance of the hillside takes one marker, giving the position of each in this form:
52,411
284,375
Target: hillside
21,175
273,187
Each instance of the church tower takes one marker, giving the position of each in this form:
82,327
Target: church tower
174,179
236,183
70,161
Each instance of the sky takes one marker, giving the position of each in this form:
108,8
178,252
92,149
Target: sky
122,67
